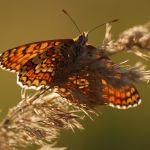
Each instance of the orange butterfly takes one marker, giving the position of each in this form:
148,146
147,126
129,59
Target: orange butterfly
81,72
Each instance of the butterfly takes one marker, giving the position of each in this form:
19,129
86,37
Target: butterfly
81,72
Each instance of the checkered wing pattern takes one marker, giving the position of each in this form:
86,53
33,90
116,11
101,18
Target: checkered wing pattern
124,97
91,91
13,59
81,88
116,90
38,64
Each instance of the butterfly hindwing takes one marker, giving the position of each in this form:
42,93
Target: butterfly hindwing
84,90
124,97
101,83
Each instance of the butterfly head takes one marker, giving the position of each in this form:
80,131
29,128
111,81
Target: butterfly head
82,39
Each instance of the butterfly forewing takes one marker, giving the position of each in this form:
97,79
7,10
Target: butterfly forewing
13,59
47,68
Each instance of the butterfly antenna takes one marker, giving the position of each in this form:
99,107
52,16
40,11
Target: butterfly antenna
72,20
111,21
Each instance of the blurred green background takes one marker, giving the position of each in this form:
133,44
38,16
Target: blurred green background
34,20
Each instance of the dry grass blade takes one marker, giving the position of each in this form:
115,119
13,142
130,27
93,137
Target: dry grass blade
37,120
135,39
